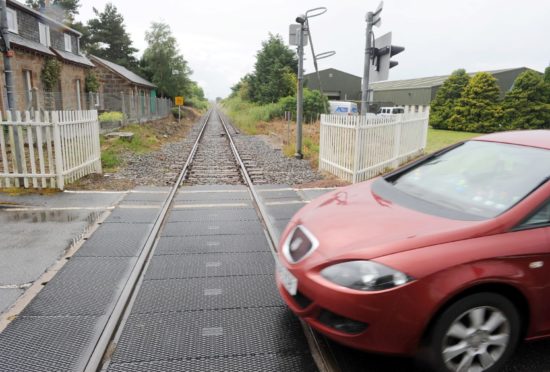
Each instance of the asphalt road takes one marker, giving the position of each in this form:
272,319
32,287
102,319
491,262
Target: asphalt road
36,230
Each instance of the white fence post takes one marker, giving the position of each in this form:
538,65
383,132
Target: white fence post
60,178
356,148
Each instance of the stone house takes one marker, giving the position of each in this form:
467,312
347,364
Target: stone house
123,90
35,38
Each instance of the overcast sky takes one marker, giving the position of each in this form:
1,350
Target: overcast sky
219,39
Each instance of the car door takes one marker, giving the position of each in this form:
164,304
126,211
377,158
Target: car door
539,224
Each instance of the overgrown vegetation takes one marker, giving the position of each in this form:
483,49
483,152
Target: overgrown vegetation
50,74
474,104
91,82
246,115
144,140
111,116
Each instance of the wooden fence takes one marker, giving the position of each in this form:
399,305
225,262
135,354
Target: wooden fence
356,148
48,149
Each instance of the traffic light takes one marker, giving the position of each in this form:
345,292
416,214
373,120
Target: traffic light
379,54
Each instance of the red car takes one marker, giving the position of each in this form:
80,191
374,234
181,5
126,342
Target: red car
447,258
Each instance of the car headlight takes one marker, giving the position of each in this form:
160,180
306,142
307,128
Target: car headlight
364,276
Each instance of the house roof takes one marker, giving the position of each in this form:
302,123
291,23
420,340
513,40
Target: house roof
425,82
29,44
74,58
332,69
124,72
27,9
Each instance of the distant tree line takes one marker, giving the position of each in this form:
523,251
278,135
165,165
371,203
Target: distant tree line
473,104
274,82
105,36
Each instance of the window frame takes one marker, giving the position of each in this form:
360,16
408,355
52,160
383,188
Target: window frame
68,42
15,26
523,224
46,28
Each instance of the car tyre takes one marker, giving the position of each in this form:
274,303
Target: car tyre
477,333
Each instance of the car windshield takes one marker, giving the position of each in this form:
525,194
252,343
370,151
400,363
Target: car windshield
479,178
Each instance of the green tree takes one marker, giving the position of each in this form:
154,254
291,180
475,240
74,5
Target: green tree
547,83
60,10
526,106
478,109
272,78
315,104
446,98
109,40
163,64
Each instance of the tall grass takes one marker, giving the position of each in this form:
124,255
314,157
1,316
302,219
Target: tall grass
246,115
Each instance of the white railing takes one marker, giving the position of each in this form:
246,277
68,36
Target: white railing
48,149
356,148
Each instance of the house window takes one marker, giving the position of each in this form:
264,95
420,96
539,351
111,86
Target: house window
68,43
27,80
44,34
78,98
12,20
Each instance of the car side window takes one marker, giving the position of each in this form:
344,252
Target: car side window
540,218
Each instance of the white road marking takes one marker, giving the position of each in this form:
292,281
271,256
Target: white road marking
215,331
210,191
287,202
213,292
46,209
234,205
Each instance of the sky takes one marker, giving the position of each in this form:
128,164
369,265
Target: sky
220,39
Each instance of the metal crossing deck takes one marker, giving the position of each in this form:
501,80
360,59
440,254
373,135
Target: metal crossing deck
207,301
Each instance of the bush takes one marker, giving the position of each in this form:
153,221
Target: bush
196,103
315,104
478,109
446,98
175,112
111,116
526,106
246,114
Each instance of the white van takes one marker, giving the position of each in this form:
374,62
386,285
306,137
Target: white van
343,108
391,110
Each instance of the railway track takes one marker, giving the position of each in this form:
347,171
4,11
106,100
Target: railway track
213,160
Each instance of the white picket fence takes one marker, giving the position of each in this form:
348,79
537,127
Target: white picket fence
356,148
48,149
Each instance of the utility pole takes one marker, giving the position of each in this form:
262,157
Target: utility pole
300,94
8,54
303,27
373,19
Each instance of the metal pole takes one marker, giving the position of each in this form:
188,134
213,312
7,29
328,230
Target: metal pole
366,69
8,53
300,95
315,64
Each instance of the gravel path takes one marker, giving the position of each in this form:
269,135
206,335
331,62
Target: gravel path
161,168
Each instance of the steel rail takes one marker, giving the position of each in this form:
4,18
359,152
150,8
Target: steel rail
323,358
121,308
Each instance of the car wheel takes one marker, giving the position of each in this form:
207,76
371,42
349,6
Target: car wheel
477,333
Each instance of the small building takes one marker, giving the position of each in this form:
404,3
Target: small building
34,39
336,85
123,90
417,94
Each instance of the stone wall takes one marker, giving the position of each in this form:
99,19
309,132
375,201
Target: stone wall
65,96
